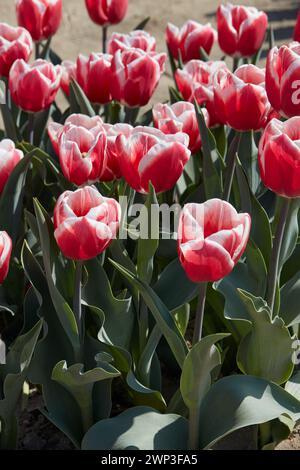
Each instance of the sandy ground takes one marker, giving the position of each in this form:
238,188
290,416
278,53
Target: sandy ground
79,35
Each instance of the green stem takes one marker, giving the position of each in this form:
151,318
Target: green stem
231,165
194,429
274,261
131,115
37,50
235,64
104,39
200,313
77,300
31,128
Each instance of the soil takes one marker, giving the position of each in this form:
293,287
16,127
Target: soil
79,35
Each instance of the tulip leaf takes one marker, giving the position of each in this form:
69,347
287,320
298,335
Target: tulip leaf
197,370
49,246
11,130
289,301
174,274
256,353
235,402
143,23
11,200
12,376
291,231
127,432
260,228
211,178
293,385
161,314
81,99
148,242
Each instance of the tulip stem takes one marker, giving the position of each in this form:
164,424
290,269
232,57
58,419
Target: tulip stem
276,250
104,38
77,299
200,313
31,128
236,62
131,115
231,159
37,50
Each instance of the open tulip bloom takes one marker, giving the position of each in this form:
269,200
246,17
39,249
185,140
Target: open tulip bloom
15,43
138,39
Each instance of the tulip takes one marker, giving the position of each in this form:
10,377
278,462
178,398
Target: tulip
296,34
148,155
279,156
9,158
106,12
135,75
15,43
189,40
34,87
195,82
139,39
94,77
112,170
5,253
85,223
179,117
81,147
283,79
211,239
68,73
241,100
241,30
41,18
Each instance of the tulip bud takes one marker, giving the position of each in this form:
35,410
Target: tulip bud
15,43
241,100
9,158
106,12
135,75
94,77
279,156
195,82
68,73
81,147
189,39
148,155
112,170
211,239
283,79
138,39
5,253
179,117
241,30
85,223
33,87
41,18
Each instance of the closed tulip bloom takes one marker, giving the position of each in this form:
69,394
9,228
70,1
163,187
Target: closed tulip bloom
85,223
34,87
279,157
81,147
15,43
94,76
241,30
296,34
112,170
41,18
241,100
189,39
68,69
135,75
9,158
283,79
211,239
5,254
139,39
195,82
106,12
148,155
179,117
